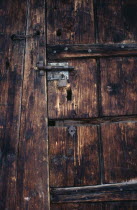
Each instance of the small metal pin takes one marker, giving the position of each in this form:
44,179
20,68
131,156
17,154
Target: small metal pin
36,68
41,73
109,88
89,50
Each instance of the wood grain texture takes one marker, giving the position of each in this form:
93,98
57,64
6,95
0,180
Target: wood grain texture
117,21
98,193
93,121
90,50
126,205
77,206
83,87
11,76
119,151
70,22
32,182
129,205
74,161
118,86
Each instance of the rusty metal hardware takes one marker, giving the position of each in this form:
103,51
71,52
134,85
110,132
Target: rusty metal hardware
57,75
54,66
63,81
72,130
20,37
55,71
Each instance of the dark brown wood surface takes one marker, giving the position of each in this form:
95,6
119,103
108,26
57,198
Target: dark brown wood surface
92,121
74,160
98,39
70,22
119,151
98,193
90,50
11,77
118,86
32,180
103,93
116,21
83,86
23,124
118,90
78,206
129,205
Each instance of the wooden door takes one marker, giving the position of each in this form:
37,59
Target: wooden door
23,111
79,130
93,118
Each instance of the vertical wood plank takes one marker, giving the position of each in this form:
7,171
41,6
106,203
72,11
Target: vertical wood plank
70,22
33,187
117,21
119,151
74,160
11,76
118,86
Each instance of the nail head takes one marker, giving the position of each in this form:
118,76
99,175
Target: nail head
89,50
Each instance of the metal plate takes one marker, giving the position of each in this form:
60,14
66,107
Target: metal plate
64,64
57,75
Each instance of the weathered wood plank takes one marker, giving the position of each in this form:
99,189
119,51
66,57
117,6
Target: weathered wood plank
117,21
121,205
74,160
11,75
70,22
93,121
79,98
32,184
125,205
77,206
118,86
90,50
119,151
110,192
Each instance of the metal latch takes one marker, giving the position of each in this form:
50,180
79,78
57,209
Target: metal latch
56,71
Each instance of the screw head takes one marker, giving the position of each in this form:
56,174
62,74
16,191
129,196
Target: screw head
41,73
89,50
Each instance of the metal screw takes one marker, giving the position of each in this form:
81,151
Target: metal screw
89,50
66,48
41,73
54,51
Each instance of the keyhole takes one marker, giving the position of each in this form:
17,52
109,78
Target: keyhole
69,94
59,32
7,64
